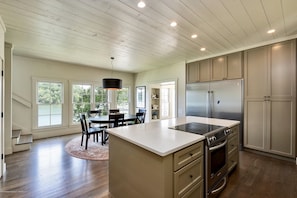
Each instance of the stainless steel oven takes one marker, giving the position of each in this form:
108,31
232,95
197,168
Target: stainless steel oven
216,169
215,153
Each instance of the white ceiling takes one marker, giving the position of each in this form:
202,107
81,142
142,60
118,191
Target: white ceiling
89,32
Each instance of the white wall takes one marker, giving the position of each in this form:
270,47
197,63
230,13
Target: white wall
25,68
174,72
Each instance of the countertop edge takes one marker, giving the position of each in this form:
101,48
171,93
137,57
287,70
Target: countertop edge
158,138
162,154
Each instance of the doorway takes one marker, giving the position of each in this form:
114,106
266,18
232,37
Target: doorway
163,100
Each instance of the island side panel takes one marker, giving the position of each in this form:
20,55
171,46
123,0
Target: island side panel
136,172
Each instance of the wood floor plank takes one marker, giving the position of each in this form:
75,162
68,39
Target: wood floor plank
48,171
259,176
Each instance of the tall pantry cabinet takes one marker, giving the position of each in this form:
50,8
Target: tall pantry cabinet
270,98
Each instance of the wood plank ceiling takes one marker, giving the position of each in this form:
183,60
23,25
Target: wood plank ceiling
89,32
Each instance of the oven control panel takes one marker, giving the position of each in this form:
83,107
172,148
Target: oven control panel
218,136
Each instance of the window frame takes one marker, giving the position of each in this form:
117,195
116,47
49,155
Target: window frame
35,115
72,83
128,102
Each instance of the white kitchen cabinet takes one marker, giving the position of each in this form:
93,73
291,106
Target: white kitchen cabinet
219,68
270,98
234,66
189,171
198,71
192,72
204,70
227,67
137,172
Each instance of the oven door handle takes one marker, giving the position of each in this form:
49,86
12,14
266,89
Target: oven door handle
218,146
221,187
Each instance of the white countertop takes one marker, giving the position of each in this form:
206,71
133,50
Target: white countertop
159,139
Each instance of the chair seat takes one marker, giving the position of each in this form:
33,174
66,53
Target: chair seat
93,130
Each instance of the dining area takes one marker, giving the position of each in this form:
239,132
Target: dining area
93,123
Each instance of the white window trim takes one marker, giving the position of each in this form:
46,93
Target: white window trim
35,106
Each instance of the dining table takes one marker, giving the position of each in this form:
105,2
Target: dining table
104,119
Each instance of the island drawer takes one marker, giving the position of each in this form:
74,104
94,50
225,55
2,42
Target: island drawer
232,160
233,144
234,131
188,177
187,155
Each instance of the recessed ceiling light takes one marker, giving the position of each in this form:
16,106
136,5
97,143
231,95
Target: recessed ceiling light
194,36
271,31
202,49
173,24
141,4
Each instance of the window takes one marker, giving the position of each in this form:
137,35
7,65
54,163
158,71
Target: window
81,100
49,100
123,100
101,100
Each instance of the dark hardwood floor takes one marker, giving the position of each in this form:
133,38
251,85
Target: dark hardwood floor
259,176
48,171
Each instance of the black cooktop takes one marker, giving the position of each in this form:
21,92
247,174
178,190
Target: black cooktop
198,128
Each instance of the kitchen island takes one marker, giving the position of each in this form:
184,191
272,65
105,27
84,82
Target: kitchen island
151,160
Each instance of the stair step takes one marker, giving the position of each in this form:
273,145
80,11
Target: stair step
25,139
16,133
21,142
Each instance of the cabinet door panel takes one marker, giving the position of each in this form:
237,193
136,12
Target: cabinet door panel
282,134
255,121
218,68
193,72
234,65
204,70
256,68
282,70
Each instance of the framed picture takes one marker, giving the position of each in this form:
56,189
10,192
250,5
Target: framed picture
140,97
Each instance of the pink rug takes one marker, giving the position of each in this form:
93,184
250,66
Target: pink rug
95,150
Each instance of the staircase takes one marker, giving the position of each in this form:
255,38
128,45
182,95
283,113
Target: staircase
21,142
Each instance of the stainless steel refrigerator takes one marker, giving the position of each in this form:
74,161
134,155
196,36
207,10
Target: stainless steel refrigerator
219,99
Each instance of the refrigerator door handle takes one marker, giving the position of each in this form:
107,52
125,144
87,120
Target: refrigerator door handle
210,103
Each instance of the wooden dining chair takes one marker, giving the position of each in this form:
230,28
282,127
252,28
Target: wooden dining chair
88,131
116,119
140,116
142,110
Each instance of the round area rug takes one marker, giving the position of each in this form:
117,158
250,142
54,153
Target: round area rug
95,150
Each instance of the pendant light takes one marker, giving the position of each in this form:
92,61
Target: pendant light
112,83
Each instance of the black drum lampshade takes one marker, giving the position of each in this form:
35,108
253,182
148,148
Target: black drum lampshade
112,83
